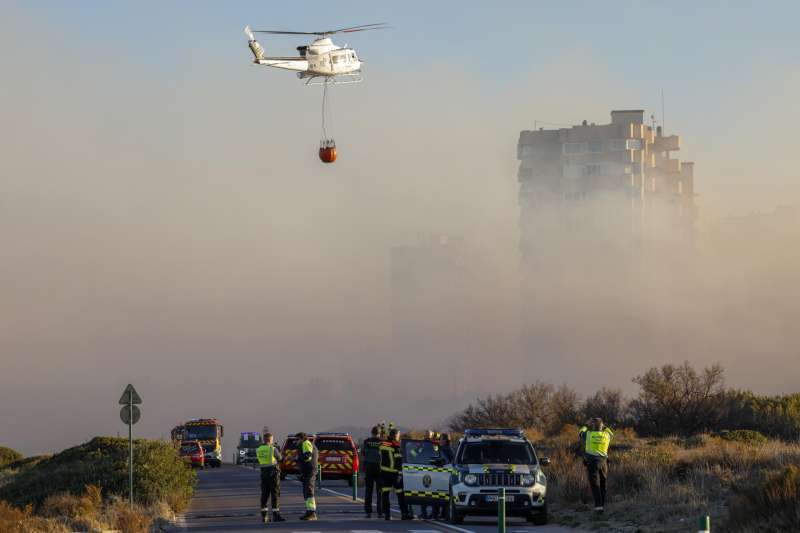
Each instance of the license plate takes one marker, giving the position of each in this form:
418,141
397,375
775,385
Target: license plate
333,459
492,498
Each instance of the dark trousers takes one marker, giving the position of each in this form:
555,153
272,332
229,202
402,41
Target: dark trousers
308,479
390,482
597,469
372,480
270,488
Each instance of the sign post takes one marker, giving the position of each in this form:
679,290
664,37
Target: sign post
130,414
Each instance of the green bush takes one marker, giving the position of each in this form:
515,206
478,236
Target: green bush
772,505
159,474
745,436
7,455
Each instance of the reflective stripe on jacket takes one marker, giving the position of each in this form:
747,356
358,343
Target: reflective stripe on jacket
391,458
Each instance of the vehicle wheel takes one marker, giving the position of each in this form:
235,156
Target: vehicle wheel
455,516
350,481
539,518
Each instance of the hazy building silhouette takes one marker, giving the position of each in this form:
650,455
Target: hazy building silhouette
602,191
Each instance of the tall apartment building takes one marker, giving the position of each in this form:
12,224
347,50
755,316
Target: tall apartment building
603,187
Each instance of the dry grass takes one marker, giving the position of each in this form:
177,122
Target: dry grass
659,485
14,520
86,512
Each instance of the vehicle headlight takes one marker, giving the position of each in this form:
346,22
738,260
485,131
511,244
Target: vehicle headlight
527,480
470,479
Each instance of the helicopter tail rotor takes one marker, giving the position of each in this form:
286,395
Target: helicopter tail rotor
255,46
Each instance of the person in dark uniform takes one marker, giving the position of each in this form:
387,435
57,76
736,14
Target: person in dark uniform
391,467
268,459
308,461
371,454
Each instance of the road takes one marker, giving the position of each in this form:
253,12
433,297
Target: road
227,499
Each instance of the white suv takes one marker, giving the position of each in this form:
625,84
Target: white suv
488,459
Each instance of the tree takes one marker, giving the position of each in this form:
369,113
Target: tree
678,400
608,404
538,405
563,409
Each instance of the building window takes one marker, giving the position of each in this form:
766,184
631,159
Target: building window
574,148
617,145
633,144
575,196
595,147
593,170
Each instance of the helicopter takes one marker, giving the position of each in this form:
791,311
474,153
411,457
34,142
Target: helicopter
320,62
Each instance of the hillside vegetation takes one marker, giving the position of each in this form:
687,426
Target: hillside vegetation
86,488
684,447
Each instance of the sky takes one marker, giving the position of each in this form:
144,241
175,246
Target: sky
165,220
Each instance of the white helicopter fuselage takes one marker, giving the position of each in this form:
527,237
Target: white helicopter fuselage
326,59
321,58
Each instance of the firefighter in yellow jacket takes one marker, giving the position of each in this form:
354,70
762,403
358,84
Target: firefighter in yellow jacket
308,461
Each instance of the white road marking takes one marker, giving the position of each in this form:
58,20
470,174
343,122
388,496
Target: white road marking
438,524
366,531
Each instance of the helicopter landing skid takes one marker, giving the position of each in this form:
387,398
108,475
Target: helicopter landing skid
340,79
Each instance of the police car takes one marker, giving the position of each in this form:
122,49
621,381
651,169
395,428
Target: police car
485,461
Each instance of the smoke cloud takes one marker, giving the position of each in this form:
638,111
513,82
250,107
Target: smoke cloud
170,226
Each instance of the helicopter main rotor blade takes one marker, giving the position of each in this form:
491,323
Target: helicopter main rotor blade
277,32
363,27
351,29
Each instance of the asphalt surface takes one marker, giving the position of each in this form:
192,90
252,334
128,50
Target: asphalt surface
227,499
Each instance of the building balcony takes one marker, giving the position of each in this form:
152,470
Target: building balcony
668,143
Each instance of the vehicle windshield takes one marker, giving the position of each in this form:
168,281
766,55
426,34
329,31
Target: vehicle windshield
252,440
420,452
496,452
189,448
201,432
333,444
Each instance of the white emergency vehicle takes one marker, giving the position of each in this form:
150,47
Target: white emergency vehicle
485,461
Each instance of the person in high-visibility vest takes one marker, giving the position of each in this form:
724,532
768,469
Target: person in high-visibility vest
595,441
308,461
269,457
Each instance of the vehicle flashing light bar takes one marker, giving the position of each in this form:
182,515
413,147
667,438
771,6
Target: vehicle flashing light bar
482,432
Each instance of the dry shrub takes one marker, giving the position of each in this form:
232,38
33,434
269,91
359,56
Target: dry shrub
127,519
14,520
772,505
67,506
10,515
534,435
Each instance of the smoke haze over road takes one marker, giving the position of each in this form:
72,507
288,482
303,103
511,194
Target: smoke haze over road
166,223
